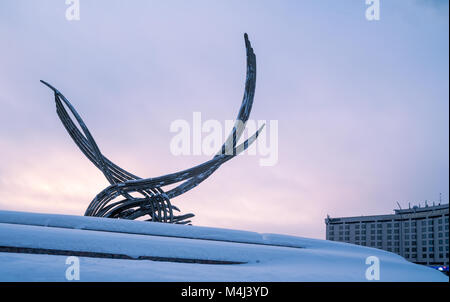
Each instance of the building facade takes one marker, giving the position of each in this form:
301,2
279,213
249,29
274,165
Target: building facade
419,234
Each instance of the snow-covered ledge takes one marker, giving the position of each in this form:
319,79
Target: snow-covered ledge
34,247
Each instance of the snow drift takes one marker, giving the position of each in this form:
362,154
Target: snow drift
34,247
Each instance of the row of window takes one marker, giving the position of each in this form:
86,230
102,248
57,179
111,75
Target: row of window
424,249
390,243
379,232
407,229
428,222
414,256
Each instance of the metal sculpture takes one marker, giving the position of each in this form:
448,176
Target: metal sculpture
145,198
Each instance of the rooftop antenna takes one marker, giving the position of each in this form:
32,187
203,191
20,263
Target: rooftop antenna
440,198
409,205
426,203
399,205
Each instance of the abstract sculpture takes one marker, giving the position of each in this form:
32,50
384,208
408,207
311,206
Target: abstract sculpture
145,198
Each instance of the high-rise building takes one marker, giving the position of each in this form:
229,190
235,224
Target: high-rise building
419,234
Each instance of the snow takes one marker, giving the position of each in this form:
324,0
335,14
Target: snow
266,257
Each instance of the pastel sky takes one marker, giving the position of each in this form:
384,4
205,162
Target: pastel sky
362,107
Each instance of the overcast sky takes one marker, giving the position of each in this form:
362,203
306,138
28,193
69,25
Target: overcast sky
362,107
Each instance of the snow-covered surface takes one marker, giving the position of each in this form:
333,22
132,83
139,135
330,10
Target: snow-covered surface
264,256
144,228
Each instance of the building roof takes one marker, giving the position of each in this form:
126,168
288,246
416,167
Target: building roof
420,212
